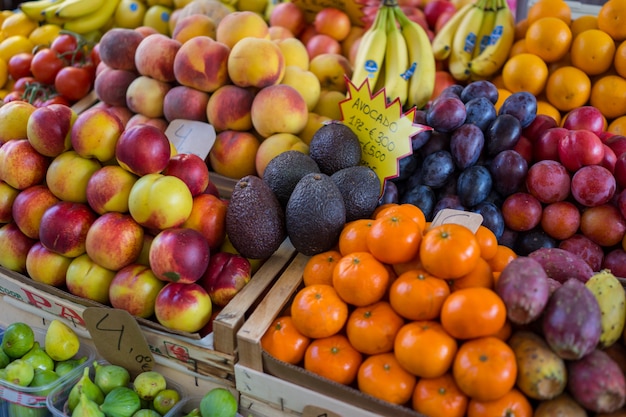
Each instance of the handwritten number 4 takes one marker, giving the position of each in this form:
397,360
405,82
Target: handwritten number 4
104,329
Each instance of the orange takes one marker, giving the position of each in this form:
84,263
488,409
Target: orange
449,251
593,51
381,376
583,23
543,107
410,209
518,47
402,267
618,126
567,88
521,26
319,268
480,276
417,295
513,404
439,397
372,329
504,255
487,241
394,238
317,311
497,80
360,279
473,312
353,236
503,93
552,8
549,38
525,72
284,342
485,368
608,94
619,60
333,358
612,19
425,349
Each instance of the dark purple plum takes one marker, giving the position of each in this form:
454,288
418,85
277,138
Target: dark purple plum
508,170
448,202
502,134
421,196
453,90
437,168
532,240
466,145
480,112
474,185
438,141
446,114
390,193
522,105
480,88
407,166
492,217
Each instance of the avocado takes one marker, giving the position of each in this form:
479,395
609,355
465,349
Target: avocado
283,172
335,146
315,214
255,220
360,188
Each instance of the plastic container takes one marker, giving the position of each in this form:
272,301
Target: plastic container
12,396
57,399
185,406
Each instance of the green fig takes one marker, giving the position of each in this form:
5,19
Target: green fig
65,367
219,402
86,408
20,372
44,378
165,400
18,339
148,384
109,376
84,386
39,358
121,402
4,359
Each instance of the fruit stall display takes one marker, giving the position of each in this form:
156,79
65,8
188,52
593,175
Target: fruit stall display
526,130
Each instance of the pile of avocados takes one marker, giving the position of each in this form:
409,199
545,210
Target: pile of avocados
307,198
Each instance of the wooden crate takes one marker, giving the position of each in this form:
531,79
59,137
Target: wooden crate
212,356
289,388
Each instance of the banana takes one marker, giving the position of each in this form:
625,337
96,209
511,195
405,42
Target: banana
483,37
493,57
33,8
72,9
371,53
464,42
50,14
396,63
93,21
442,42
421,72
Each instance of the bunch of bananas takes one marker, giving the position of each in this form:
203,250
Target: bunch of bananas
477,40
78,16
395,53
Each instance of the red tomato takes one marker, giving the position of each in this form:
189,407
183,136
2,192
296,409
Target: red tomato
19,65
13,96
73,82
65,45
56,99
45,65
95,55
21,83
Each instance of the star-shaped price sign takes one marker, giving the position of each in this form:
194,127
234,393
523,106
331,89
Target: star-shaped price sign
383,129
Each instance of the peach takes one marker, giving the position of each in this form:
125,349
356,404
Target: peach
331,70
21,166
154,57
322,44
138,118
233,154
29,206
294,51
68,175
202,63
279,32
108,189
256,62
305,82
122,112
229,108
8,195
14,117
288,15
239,25
118,46
182,102
328,104
314,122
291,118
145,95
194,25
111,85
146,30
277,144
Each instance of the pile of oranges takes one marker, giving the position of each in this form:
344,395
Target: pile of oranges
571,62
406,312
